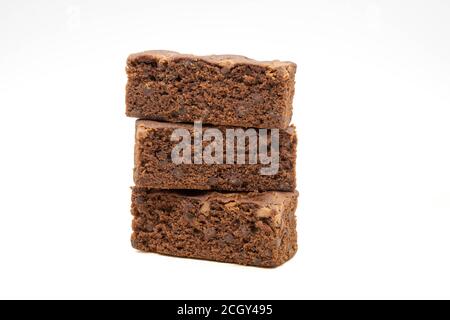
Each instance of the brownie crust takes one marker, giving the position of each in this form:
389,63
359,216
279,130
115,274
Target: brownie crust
257,229
155,169
226,90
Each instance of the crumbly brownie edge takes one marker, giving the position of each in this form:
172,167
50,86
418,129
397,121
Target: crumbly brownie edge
224,60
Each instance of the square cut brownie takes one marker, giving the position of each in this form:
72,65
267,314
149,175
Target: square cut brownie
241,159
257,229
225,90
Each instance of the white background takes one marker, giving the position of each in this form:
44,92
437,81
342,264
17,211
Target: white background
372,110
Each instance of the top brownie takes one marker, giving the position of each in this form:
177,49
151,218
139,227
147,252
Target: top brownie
223,90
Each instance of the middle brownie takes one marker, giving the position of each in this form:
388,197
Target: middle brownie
186,156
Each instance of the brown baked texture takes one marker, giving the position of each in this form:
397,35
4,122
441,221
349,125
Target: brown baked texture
257,229
223,90
154,167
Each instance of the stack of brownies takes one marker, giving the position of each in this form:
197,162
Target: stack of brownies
215,157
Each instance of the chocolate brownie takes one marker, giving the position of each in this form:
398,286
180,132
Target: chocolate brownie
155,166
256,229
223,90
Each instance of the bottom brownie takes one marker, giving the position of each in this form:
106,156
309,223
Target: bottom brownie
256,229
